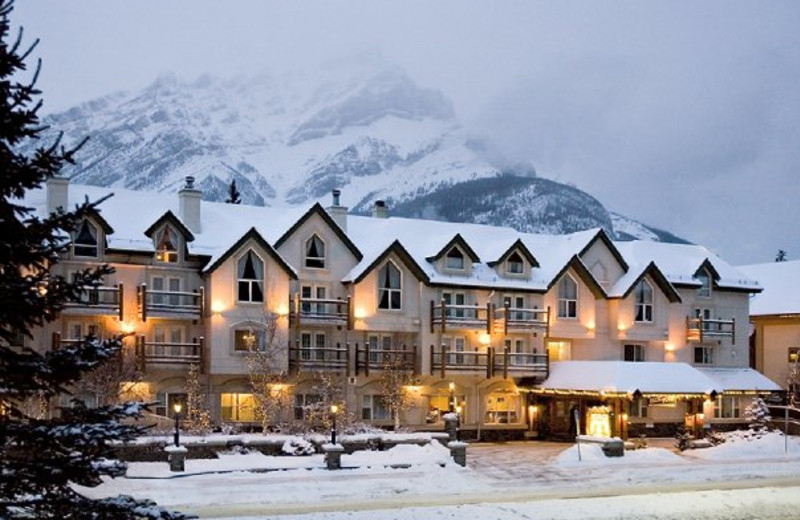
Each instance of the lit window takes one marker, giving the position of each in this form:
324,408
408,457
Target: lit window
454,259
85,243
374,409
238,407
727,407
251,278
633,353
389,287
166,248
559,350
794,355
315,253
643,296
514,264
502,408
441,404
567,298
245,340
705,284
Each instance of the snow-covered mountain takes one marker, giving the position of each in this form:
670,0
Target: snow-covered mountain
290,139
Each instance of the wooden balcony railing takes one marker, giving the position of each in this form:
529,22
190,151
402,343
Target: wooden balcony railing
505,319
699,330
101,298
320,311
169,353
318,358
491,362
167,304
375,358
450,316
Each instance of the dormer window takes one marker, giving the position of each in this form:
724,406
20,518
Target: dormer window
315,253
643,297
454,259
167,246
250,272
85,243
567,298
705,284
389,287
514,264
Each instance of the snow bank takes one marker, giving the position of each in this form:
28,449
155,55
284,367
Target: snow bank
739,445
592,454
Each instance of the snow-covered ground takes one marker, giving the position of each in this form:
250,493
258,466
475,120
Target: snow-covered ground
509,481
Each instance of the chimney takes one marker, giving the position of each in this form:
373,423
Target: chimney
189,205
338,212
57,193
379,210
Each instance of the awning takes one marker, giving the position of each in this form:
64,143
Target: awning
740,380
617,378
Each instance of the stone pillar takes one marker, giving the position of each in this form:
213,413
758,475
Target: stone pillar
451,425
333,455
458,450
177,457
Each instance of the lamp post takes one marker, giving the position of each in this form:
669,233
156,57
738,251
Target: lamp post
177,407
458,423
452,405
334,411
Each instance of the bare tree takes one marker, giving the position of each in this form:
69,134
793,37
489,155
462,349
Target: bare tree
114,381
395,379
793,385
329,388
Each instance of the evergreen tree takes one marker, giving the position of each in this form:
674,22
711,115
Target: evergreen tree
234,197
781,256
41,458
758,418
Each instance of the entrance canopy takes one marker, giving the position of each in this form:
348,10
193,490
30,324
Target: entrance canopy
621,378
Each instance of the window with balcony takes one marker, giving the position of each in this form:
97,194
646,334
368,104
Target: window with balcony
167,246
515,302
514,264
309,293
567,298
455,345
705,315
389,287
250,272
160,285
643,302
727,407
457,299
633,353
454,259
379,346
313,345
374,409
315,253
85,242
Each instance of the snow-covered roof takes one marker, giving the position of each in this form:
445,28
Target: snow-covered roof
130,213
781,282
739,379
627,377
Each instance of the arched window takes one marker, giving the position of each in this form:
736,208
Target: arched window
705,283
167,246
250,271
567,298
315,253
85,243
389,287
643,298
454,259
514,263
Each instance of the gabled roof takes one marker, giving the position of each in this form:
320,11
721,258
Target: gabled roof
583,273
458,241
657,276
95,215
522,249
254,235
708,266
603,237
397,248
169,218
317,209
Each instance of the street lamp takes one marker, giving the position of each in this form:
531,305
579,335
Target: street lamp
334,411
452,405
177,407
458,423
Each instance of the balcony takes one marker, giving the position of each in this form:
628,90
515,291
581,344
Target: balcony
492,362
318,358
374,358
699,330
321,311
157,353
170,304
510,319
448,316
99,300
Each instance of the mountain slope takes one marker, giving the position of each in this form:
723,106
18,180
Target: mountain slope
288,139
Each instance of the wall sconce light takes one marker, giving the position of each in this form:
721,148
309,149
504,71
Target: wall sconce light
669,347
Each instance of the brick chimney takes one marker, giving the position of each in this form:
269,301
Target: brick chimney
57,189
189,205
338,212
379,210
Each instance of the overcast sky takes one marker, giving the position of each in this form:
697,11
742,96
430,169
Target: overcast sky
684,115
